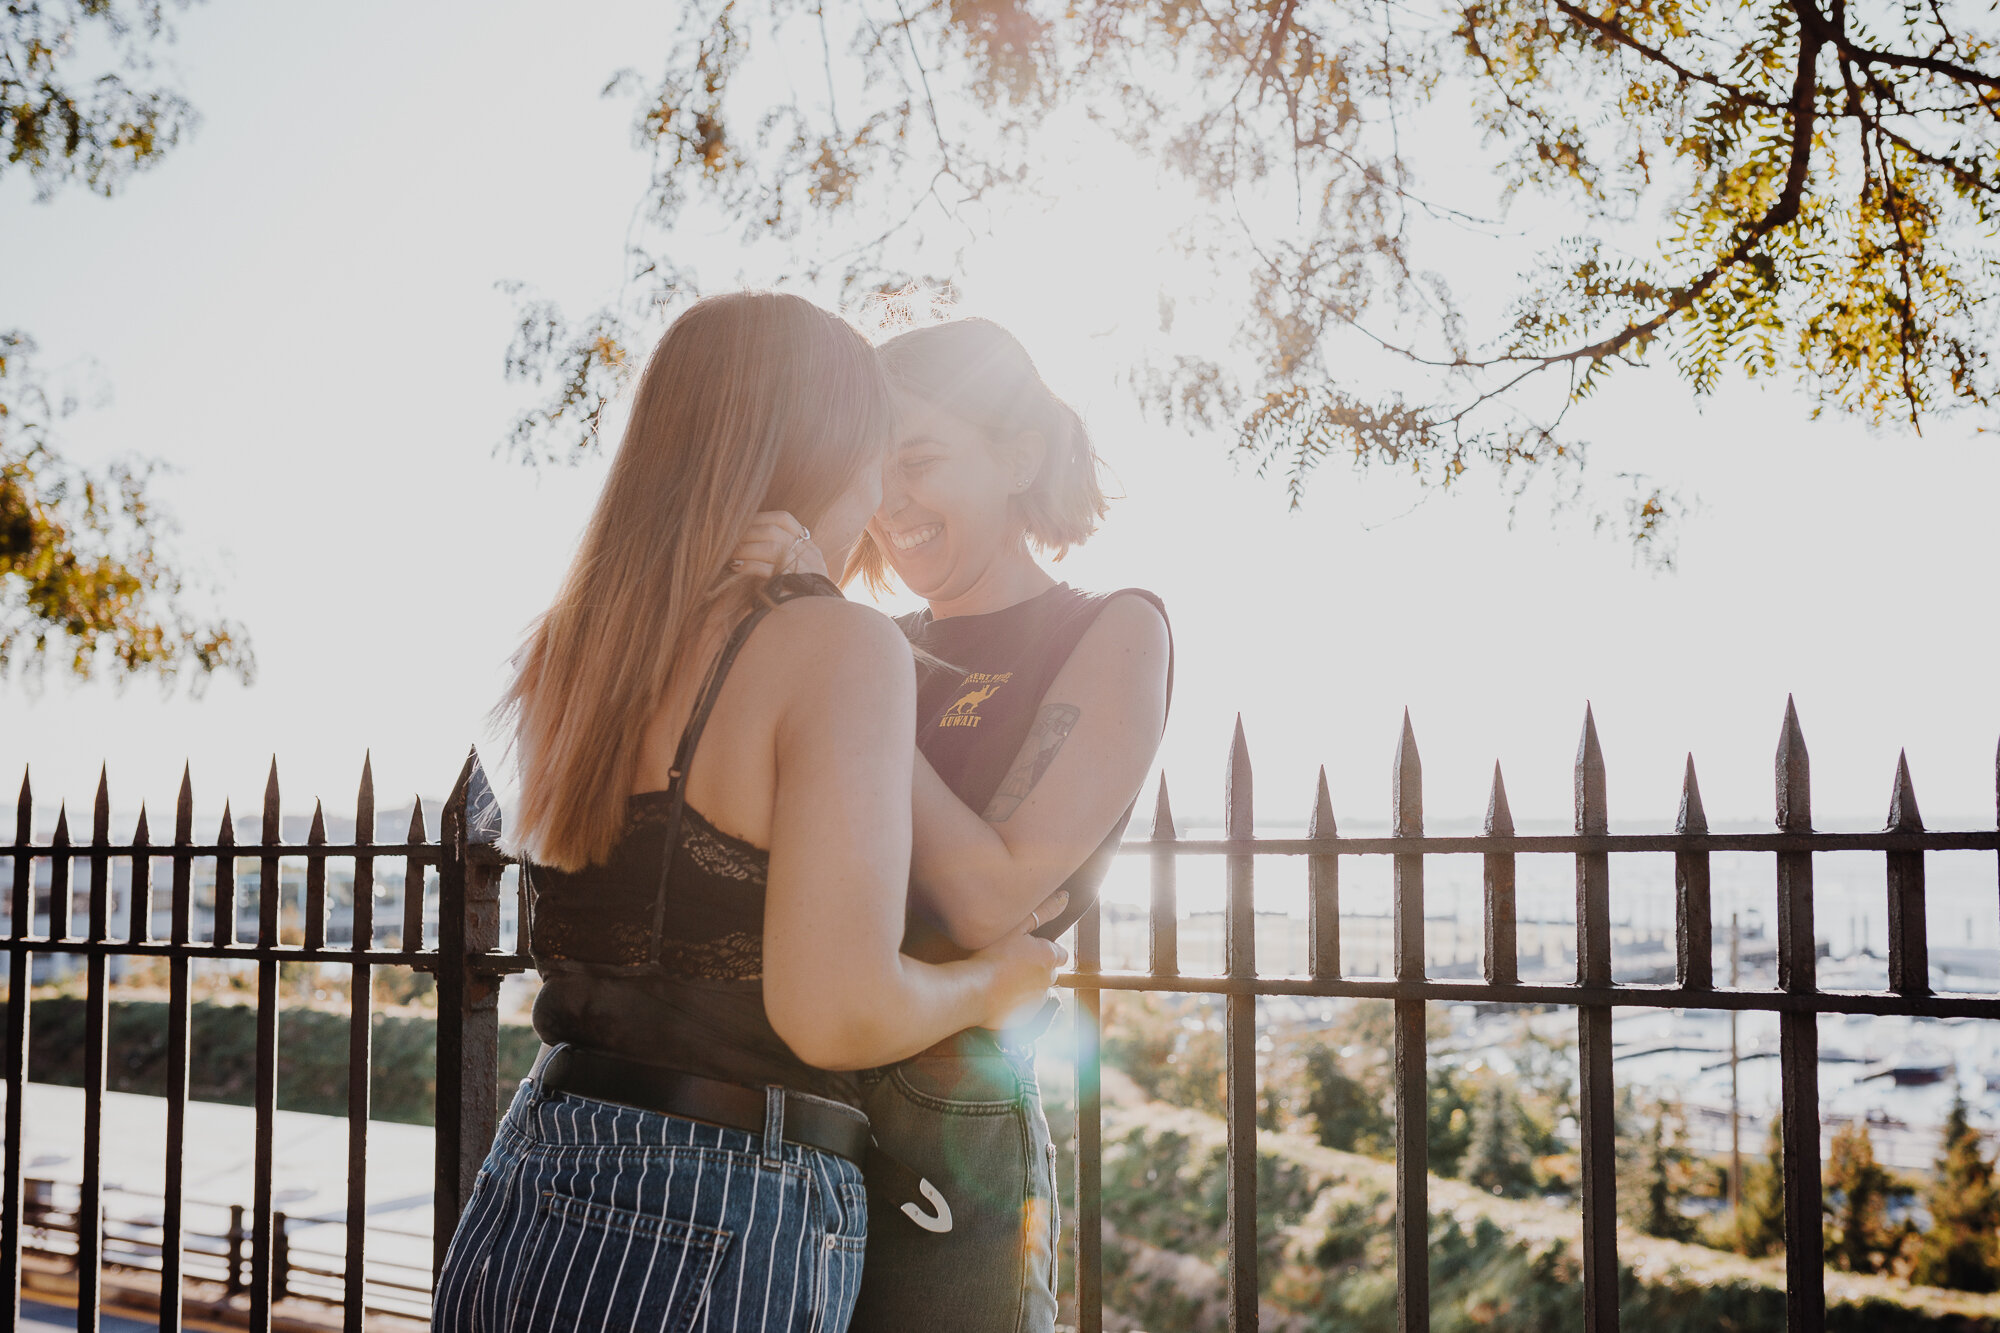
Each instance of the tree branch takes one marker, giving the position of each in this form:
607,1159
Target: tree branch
1660,57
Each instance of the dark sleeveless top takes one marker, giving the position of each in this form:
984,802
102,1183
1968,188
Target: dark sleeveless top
657,953
978,699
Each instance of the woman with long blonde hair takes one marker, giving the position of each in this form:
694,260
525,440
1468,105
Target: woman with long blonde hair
716,785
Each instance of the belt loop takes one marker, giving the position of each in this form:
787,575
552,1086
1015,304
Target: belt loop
774,1125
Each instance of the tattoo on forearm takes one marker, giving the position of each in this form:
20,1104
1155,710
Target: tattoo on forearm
1051,729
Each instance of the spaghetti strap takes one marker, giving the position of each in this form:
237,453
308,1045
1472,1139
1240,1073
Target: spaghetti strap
781,589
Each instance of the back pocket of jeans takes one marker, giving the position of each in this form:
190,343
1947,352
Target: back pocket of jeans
624,1269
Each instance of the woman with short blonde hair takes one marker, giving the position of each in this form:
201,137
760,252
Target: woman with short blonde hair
1039,709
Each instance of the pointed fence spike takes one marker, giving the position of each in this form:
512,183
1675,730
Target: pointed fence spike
472,802
1692,817
228,835
1406,793
61,896
413,883
1592,808
1163,916
184,807
1238,818
1321,824
1499,819
100,821
316,881
1794,775
24,809
139,899
1322,890
271,823
1903,814
1163,813
1502,956
364,801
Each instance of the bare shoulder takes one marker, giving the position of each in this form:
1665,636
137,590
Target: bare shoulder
827,645
1128,626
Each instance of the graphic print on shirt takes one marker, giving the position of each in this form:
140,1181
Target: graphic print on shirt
978,687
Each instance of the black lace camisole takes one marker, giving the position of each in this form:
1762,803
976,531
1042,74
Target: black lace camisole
657,953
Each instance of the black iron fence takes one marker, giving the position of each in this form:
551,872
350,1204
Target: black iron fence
468,962
463,954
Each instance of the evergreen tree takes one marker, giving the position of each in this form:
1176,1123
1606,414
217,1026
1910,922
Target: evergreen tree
1657,1173
1959,1250
1449,1120
1858,1236
1496,1160
1760,1224
1347,1114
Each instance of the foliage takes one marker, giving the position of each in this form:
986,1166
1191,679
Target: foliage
1164,1043
1760,1222
1656,1172
63,126
1449,1102
1327,1261
1859,1238
82,563
1961,1248
84,572
1769,188
312,1055
1496,1158
1347,1112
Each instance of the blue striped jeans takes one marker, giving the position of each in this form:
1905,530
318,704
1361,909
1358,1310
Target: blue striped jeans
589,1217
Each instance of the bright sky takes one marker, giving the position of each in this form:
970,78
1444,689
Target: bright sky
297,310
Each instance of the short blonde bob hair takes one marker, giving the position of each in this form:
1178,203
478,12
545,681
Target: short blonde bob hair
977,370
752,401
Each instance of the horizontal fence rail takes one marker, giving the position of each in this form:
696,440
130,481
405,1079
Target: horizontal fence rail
465,956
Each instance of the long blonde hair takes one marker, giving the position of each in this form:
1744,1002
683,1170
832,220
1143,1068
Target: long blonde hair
751,401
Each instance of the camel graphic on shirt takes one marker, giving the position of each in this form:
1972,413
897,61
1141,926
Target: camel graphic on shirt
971,700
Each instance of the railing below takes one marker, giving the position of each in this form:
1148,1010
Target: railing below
462,950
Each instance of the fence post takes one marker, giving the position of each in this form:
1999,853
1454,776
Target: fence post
1239,1051
468,1047
1798,1044
234,1282
1089,1127
360,1059
179,1013
1413,1226
281,1259
20,976
1593,1046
